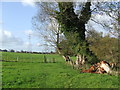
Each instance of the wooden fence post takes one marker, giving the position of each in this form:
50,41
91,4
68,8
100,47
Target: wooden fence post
45,59
17,59
54,60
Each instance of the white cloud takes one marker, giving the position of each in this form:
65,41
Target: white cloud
31,33
28,32
38,44
27,45
28,3
7,39
101,17
7,33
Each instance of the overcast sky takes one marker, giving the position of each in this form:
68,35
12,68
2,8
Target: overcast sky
16,25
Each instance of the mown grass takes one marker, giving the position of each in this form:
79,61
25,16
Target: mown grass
37,74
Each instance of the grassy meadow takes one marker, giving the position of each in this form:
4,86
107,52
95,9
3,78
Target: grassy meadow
29,71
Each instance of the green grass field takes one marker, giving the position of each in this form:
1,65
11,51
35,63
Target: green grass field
30,72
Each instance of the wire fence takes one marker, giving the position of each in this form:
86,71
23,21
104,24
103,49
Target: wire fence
20,57
32,57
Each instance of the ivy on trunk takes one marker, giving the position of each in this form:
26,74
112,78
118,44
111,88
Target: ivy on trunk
70,23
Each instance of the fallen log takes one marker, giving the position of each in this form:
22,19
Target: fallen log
106,66
100,68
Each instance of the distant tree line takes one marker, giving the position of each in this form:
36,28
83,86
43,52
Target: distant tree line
22,51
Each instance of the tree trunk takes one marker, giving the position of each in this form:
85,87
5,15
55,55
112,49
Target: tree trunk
70,22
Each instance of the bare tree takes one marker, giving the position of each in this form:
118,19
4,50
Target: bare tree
49,32
110,10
